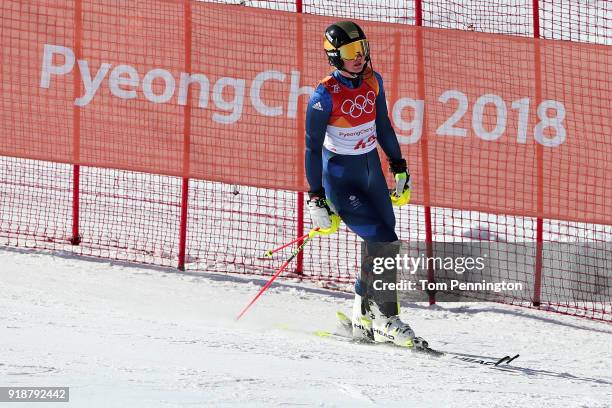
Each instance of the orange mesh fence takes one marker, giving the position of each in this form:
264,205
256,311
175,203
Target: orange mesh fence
506,136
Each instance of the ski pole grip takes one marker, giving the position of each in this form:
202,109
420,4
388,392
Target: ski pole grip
313,232
269,252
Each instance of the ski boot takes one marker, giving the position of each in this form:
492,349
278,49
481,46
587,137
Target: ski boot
361,322
391,329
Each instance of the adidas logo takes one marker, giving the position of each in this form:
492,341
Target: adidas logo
317,106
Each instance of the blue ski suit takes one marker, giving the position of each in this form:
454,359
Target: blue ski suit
345,120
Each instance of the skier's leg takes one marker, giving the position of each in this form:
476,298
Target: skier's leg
358,214
357,189
348,185
356,210
382,301
377,277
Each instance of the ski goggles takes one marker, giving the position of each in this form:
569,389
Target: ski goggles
352,50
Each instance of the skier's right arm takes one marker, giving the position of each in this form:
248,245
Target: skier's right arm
317,117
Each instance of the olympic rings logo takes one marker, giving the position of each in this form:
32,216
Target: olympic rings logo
362,104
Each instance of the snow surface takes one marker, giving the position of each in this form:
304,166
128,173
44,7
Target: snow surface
122,335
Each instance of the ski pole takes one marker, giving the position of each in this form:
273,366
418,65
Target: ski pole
271,251
282,268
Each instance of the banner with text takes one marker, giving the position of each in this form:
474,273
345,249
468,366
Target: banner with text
499,124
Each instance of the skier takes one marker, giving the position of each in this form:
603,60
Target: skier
346,118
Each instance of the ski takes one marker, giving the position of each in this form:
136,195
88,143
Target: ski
346,335
349,339
347,332
483,361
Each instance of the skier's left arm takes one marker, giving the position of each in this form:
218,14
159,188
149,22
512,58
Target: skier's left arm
390,145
